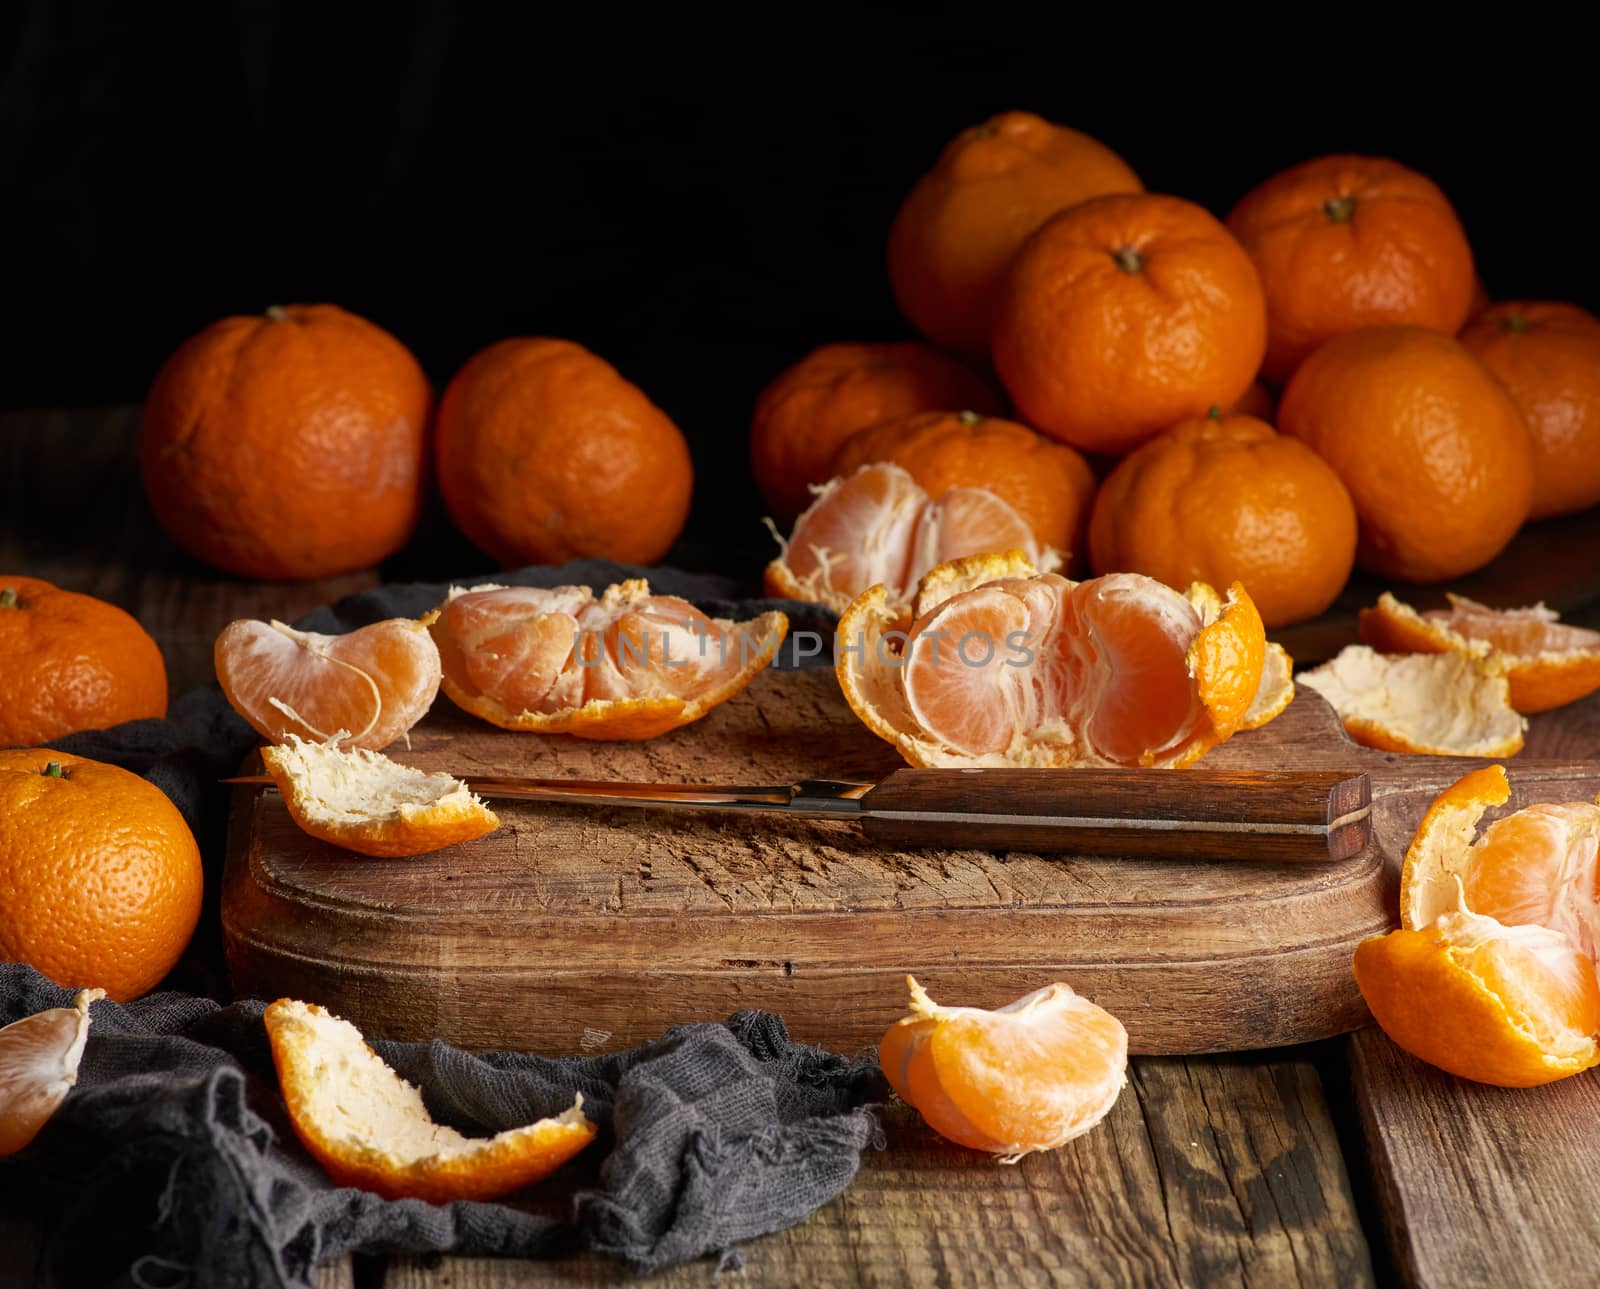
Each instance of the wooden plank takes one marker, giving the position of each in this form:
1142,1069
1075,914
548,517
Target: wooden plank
1208,1171
1480,1185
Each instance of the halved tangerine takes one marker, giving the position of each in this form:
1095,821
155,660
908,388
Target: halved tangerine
370,685
369,1128
1032,669
1547,662
365,802
39,1059
628,665
877,526
1493,974
1451,704
1028,1076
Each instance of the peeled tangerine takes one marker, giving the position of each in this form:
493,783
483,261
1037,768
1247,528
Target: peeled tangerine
365,802
877,526
369,1128
1546,663
996,664
1492,975
373,683
1030,1076
629,665
39,1057
1448,704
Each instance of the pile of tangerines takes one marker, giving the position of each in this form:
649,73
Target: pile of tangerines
1316,382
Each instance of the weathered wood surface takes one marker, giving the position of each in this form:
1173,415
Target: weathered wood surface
1242,1177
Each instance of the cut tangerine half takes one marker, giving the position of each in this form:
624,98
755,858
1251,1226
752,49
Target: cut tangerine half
371,685
39,1059
1451,704
628,665
1493,974
1026,1077
1031,669
1547,662
365,802
369,1128
877,526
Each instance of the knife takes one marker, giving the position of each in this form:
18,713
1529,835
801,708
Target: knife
1274,815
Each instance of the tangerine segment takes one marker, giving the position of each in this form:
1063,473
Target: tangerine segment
369,1128
878,527
370,685
1452,704
629,665
367,803
39,1058
1547,662
1028,1076
1515,1006
1038,670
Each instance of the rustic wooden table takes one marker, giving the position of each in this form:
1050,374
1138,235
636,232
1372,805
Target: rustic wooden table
1344,1163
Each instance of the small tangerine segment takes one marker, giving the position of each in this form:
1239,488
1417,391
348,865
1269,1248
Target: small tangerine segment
1026,1077
371,685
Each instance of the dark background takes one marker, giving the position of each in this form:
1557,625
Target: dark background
698,194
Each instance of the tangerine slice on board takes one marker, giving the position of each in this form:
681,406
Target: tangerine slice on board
1031,669
877,526
1028,1076
628,665
39,1058
1493,974
369,1128
373,683
365,802
1547,663
1451,704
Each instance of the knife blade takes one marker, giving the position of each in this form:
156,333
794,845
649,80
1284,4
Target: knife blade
1271,815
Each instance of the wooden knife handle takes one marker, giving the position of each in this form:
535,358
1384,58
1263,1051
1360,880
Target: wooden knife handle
1295,816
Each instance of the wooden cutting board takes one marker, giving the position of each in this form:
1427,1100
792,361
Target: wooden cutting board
581,929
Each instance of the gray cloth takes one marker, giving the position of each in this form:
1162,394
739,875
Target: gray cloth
172,1163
